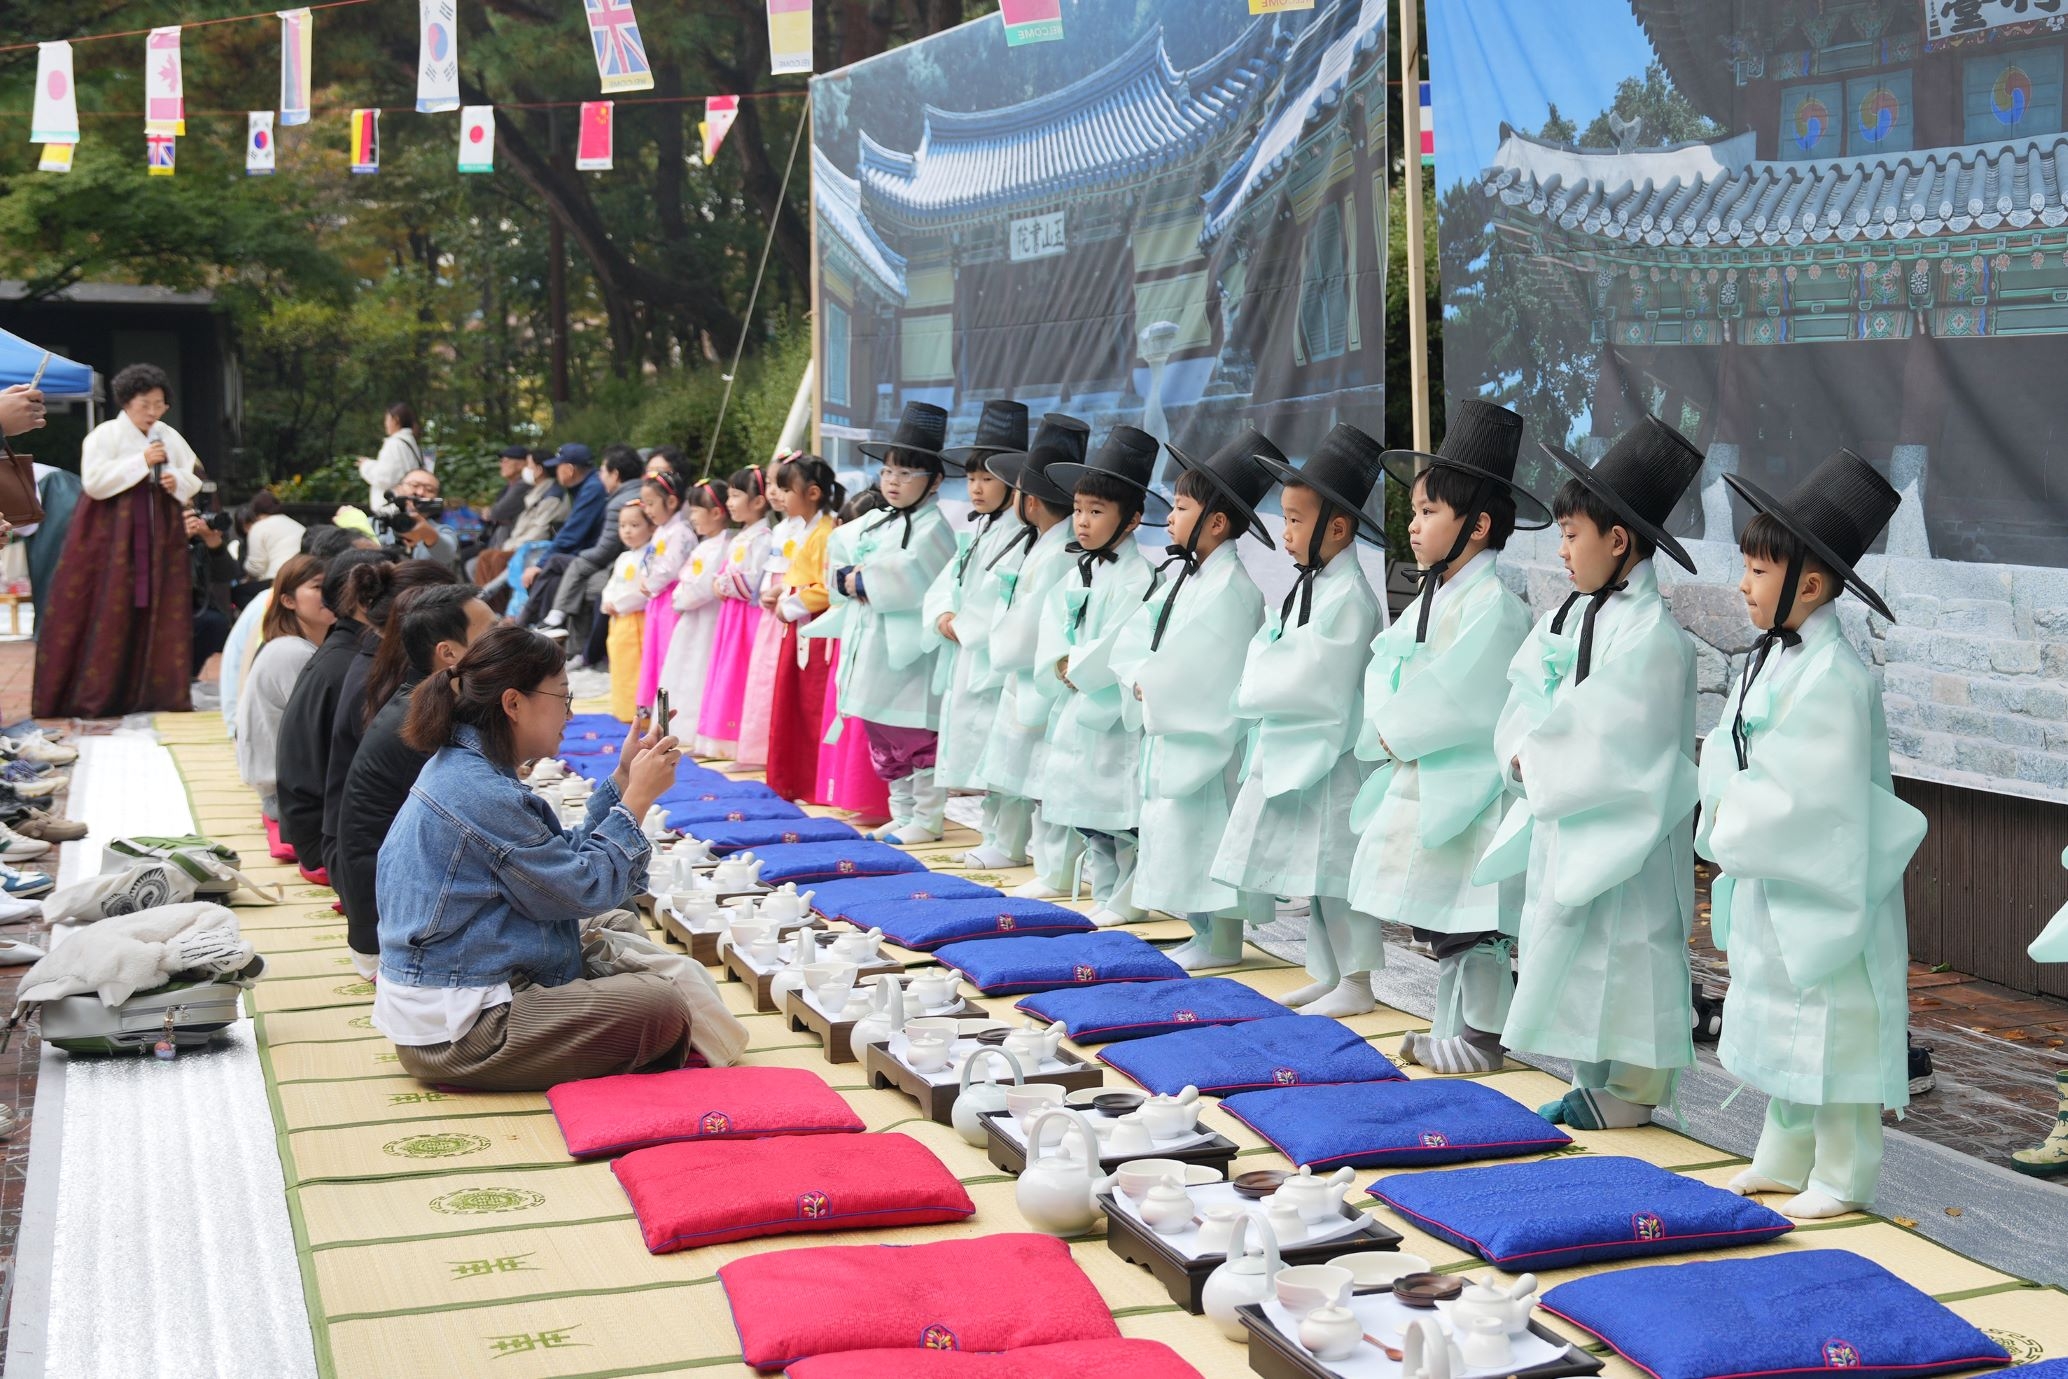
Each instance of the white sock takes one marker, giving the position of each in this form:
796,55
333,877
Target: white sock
988,858
1749,1182
1036,889
1352,996
1312,991
1110,919
556,618
1194,956
1816,1206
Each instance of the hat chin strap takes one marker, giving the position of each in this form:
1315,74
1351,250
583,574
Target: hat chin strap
1616,583
990,520
1778,635
1303,586
1090,558
1432,577
1186,557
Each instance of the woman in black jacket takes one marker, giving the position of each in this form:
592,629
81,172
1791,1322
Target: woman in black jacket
429,629
303,755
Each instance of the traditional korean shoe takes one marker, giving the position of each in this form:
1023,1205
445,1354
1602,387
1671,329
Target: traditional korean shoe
988,858
1037,889
1594,1109
14,911
1748,1182
13,954
17,847
2049,1158
1816,1206
1352,996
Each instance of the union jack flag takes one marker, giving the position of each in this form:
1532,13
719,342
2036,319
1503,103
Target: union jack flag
620,54
163,153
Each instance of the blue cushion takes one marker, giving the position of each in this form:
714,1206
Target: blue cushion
1283,1051
1107,1015
726,838
1428,1121
842,899
1041,964
739,809
1557,1212
925,925
1797,1311
708,791
2041,1369
591,768
805,863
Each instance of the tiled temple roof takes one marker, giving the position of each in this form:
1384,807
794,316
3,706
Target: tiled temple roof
1134,117
1716,194
1317,68
838,200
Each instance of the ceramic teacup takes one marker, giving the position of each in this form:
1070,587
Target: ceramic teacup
1130,1136
1135,1177
1025,1101
831,983
1371,1268
1217,1227
1483,1342
1304,1287
934,1022
927,1052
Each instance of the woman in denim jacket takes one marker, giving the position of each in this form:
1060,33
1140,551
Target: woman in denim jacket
483,895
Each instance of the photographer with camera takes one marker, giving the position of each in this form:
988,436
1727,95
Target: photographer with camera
411,518
214,572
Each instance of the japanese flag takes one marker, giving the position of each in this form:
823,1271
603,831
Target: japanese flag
259,151
56,117
477,138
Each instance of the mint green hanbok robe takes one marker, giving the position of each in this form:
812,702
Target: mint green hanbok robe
2052,943
1812,843
1013,758
886,669
1608,783
1191,738
1434,802
1088,777
1289,829
962,668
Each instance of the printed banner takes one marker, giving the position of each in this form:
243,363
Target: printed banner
56,158
165,102
592,150
1031,21
438,56
1945,19
366,141
719,114
1428,129
1278,6
161,153
56,117
789,36
620,55
259,153
297,47
477,138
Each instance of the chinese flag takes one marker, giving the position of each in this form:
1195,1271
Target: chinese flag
592,153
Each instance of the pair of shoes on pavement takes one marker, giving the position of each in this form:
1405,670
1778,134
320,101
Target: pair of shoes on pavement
24,885
35,747
13,954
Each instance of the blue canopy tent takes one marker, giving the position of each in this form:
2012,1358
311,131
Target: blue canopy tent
61,377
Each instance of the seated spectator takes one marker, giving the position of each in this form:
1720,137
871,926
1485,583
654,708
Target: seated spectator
501,518
429,629
579,579
295,621
482,893
302,761
271,539
323,542
417,535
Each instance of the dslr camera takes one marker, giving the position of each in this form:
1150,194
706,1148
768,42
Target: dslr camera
402,514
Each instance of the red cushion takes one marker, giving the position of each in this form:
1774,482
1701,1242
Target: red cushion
996,1292
611,1115
1122,1359
711,1191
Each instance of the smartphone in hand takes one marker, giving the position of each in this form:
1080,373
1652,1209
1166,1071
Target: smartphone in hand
661,712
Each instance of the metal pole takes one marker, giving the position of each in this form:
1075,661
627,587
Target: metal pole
1411,176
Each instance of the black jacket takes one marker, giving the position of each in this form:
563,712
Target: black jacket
347,727
380,779
302,761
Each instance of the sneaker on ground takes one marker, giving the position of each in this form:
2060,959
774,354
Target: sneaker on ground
36,747
17,847
558,634
1922,1077
19,911
40,789
49,828
23,884
18,770
14,954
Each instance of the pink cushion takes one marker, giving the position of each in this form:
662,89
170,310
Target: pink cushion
1122,1359
611,1115
710,1191
996,1292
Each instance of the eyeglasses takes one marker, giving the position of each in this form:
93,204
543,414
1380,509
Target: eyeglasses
898,474
567,699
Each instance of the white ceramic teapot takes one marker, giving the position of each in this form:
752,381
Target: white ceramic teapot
785,905
791,977
977,1098
1425,1352
739,872
1167,1207
700,910
1331,1333
1483,1297
1318,1199
886,1017
1171,1117
1034,1043
1242,1278
932,989
1059,1195
689,852
858,948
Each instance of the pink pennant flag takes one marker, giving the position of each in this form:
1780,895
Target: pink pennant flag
719,114
165,103
592,150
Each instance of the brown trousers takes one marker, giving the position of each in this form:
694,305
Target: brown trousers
546,1035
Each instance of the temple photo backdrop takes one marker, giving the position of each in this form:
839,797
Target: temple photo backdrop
1785,227
1172,217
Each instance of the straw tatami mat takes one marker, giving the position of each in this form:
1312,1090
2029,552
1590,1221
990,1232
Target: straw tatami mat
448,1234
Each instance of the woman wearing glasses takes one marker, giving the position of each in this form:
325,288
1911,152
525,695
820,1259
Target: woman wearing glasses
483,895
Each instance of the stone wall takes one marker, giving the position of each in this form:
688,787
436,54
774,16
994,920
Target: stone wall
1974,671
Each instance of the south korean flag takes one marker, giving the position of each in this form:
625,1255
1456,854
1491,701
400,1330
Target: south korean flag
259,150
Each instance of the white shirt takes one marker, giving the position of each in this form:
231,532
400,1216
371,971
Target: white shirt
112,462
399,454
272,541
414,1016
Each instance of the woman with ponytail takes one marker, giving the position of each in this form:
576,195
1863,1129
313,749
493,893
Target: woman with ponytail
663,495
301,763
687,669
483,895
295,621
811,498
739,611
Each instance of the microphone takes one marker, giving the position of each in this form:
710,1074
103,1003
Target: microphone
158,467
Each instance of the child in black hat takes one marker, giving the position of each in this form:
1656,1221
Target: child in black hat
1799,812
1598,737
1289,829
1088,781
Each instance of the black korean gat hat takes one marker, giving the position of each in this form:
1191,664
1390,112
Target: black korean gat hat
1482,440
1061,439
1344,469
1642,477
1239,475
1128,455
1837,512
921,430
1001,430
